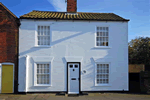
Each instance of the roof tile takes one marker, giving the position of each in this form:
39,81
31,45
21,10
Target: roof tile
72,16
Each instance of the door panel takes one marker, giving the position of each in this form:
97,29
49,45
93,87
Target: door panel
7,79
73,78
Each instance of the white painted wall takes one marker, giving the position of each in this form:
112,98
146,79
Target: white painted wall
75,39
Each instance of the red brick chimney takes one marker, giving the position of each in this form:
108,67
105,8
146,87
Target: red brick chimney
72,6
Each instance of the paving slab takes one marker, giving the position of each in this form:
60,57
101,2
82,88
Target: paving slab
90,96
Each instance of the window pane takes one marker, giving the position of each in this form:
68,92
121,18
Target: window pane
100,76
106,33
41,40
98,39
106,43
41,28
98,66
103,38
44,33
107,39
97,28
39,66
98,34
103,28
38,28
47,32
48,42
37,70
76,66
100,28
106,76
101,34
101,71
47,79
101,43
48,38
44,40
44,27
106,28
47,70
41,33
47,65
71,66
98,70
98,43
38,32
48,27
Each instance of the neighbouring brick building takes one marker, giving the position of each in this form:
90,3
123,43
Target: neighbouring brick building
9,31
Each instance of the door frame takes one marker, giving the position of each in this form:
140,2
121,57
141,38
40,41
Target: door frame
79,76
6,63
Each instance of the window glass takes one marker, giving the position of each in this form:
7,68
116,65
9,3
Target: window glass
71,66
102,74
43,36
102,36
76,66
43,74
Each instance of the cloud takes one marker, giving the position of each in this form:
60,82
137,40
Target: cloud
59,5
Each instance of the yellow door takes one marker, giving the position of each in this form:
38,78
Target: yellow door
7,79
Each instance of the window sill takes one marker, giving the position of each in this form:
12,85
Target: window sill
42,46
102,47
43,85
102,85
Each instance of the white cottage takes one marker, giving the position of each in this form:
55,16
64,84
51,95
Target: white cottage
73,51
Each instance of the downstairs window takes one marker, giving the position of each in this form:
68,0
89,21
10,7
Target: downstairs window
102,74
43,74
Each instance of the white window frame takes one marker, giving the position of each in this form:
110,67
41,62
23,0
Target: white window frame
35,74
95,42
36,34
109,78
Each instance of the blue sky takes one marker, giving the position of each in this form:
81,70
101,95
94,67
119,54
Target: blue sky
138,11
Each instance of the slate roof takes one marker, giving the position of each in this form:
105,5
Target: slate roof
72,16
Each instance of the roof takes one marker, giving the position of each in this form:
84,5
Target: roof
72,16
8,10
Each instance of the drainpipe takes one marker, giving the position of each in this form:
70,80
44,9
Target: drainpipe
0,76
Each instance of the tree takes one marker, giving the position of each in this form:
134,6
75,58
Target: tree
139,50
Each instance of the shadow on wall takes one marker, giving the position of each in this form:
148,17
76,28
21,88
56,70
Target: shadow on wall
65,71
66,38
90,68
32,62
33,49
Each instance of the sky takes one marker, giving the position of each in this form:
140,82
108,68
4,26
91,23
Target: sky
137,11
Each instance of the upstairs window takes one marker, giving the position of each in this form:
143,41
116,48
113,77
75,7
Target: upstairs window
102,36
43,35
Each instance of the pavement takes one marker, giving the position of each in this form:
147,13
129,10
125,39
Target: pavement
90,96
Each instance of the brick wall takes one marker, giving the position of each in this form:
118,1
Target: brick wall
71,5
9,30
